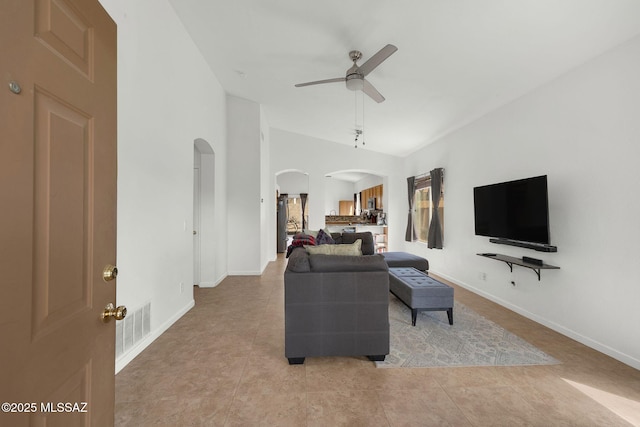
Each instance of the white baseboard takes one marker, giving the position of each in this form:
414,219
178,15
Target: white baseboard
245,273
622,357
207,284
124,360
212,284
252,272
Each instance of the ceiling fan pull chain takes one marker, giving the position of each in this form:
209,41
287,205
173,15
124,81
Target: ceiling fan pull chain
363,119
355,118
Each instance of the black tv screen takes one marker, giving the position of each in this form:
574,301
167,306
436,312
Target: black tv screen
515,210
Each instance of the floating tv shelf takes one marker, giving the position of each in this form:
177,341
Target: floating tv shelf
511,261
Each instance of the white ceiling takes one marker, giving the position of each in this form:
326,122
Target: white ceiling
456,59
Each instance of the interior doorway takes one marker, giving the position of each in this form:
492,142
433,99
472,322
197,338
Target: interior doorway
292,212
204,240
197,259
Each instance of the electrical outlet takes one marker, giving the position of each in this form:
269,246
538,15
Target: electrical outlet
482,276
181,287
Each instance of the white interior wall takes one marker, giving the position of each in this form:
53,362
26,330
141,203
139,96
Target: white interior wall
245,214
268,207
286,154
582,130
167,97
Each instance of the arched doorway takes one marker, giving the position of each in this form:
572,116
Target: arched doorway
292,188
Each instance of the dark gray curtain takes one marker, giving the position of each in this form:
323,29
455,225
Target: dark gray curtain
303,203
410,188
435,228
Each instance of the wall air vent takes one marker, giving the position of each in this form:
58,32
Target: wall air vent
132,329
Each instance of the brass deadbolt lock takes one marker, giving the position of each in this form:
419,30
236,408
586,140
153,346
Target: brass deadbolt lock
117,313
109,273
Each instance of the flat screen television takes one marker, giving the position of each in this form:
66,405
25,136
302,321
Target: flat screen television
515,210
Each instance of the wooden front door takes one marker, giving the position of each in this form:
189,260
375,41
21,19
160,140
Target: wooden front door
57,212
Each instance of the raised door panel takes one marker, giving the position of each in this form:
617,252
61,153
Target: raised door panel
62,178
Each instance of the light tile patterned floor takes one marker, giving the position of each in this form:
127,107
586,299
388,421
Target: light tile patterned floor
223,364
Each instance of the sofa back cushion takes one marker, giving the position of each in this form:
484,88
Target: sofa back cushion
340,263
353,249
368,246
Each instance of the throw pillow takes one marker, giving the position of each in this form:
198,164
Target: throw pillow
352,249
368,246
323,238
300,240
303,239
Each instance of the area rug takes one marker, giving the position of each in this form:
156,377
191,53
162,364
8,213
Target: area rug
472,340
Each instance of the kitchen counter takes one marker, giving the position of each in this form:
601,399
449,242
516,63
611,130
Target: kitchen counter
373,228
345,220
338,223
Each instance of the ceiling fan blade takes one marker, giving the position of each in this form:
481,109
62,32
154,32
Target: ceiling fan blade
319,82
377,59
371,91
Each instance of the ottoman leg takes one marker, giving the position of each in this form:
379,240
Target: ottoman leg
450,315
414,315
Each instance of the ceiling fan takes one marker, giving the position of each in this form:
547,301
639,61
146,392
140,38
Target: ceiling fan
355,77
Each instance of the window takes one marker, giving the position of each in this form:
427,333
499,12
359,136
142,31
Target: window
423,209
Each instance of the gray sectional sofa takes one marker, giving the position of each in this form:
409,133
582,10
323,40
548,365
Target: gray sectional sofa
338,305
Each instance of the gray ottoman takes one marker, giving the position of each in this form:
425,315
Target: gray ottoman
420,292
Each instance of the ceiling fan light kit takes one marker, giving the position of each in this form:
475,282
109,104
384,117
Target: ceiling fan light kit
354,82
